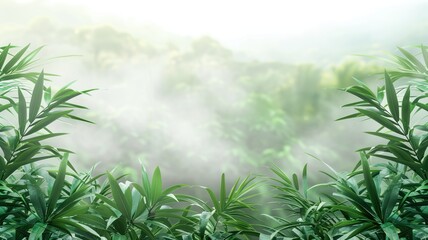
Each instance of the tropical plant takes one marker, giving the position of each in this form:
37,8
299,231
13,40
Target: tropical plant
383,197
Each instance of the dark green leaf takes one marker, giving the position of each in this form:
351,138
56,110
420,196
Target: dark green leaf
223,192
37,198
58,185
380,119
370,185
387,136
36,98
405,111
22,112
42,137
391,97
390,197
44,122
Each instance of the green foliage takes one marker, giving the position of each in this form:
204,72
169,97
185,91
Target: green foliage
383,197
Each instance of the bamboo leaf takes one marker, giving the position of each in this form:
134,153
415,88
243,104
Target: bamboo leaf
14,59
354,115
37,231
305,180
119,197
380,119
36,98
44,122
58,185
416,63
214,200
223,192
295,181
156,185
405,111
22,112
425,55
370,185
3,56
390,197
391,97
204,220
387,136
42,137
37,198
390,231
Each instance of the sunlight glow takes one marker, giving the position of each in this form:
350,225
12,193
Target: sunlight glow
236,18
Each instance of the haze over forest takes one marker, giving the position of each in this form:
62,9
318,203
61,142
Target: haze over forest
241,96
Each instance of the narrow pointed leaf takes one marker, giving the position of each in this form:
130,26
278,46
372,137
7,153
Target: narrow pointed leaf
36,98
58,185
305,180
156,185
37,231
119,197
391,97
14,59
42,137
223,192
37,198
425,55
42,123
370,185
390,231
3,56
390,197
405,111
22,112
417,64
387,136
380,119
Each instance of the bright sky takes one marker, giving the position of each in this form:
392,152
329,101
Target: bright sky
237,17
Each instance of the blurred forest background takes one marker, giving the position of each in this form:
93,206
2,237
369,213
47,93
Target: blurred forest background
199,103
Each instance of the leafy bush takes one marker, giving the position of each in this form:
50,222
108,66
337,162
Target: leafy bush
383,197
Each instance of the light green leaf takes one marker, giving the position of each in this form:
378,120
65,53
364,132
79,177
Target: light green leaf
119,197
305,180
3,56
415,62
14,59
390,231
156,185
203,222
424,54
37,231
